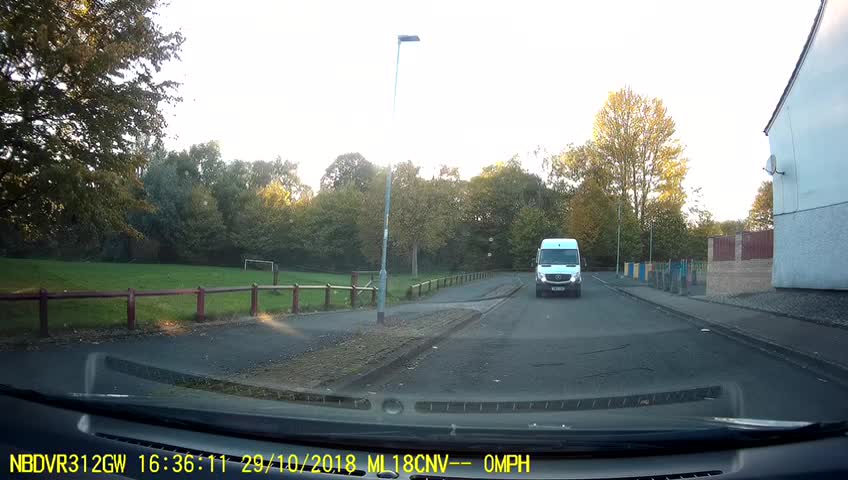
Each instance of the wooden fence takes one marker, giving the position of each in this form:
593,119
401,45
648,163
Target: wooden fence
443,282
757,244
724,248
43,296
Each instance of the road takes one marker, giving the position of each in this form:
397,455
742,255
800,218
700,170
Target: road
603,344
606,343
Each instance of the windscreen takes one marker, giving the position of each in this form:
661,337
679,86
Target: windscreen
333,210
558,256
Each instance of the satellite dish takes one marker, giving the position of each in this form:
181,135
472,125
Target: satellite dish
771,166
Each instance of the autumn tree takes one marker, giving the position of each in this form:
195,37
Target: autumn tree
284,172
78,89
761,214
633,141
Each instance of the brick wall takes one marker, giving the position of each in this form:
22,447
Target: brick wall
737,275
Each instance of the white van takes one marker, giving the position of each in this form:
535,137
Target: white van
558,267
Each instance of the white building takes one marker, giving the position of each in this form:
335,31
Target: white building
808,136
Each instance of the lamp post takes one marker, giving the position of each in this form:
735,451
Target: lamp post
618,242
651,245
381,293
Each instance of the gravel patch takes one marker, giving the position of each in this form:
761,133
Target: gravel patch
366,349
824,307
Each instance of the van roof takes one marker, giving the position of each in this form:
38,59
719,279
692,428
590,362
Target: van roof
559,243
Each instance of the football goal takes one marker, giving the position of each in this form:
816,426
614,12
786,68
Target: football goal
259,264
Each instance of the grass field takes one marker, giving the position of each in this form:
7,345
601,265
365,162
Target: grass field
25,275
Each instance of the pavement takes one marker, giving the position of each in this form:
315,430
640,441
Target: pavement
816,344
827,307
601,346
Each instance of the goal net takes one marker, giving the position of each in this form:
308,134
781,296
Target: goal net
255,264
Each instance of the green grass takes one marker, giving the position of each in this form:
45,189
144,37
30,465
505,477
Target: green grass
25,276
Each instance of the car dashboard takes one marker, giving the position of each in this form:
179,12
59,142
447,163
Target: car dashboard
49,441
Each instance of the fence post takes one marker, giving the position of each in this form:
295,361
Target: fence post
327,293
254,300
409,292
42,313
438,280
353,296
373,296
429,286
130,309
201,304
296,298
276,275
354,278
419,289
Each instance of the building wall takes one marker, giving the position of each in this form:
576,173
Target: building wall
810,248
736,276
745,276
809,141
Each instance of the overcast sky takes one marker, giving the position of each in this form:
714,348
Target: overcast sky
308,80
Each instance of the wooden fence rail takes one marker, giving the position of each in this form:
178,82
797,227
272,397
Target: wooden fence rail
200,292
444,282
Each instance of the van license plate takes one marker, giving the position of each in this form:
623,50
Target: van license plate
557,289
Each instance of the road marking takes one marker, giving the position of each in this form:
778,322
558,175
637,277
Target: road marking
598,279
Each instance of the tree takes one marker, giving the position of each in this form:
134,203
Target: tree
419,219
77,91
671,235
761,216
493,202
702,228
330,229
263,173
530,227
633,141
200,232
731,227
592,219
348,170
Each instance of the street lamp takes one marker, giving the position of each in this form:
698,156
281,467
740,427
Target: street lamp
618,242
381,293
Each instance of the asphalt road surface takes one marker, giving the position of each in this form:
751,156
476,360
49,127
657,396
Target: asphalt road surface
606,343
602,345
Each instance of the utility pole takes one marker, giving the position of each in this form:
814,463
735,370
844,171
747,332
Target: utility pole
381,291
618,243
651,245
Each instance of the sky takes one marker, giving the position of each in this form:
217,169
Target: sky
309,80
